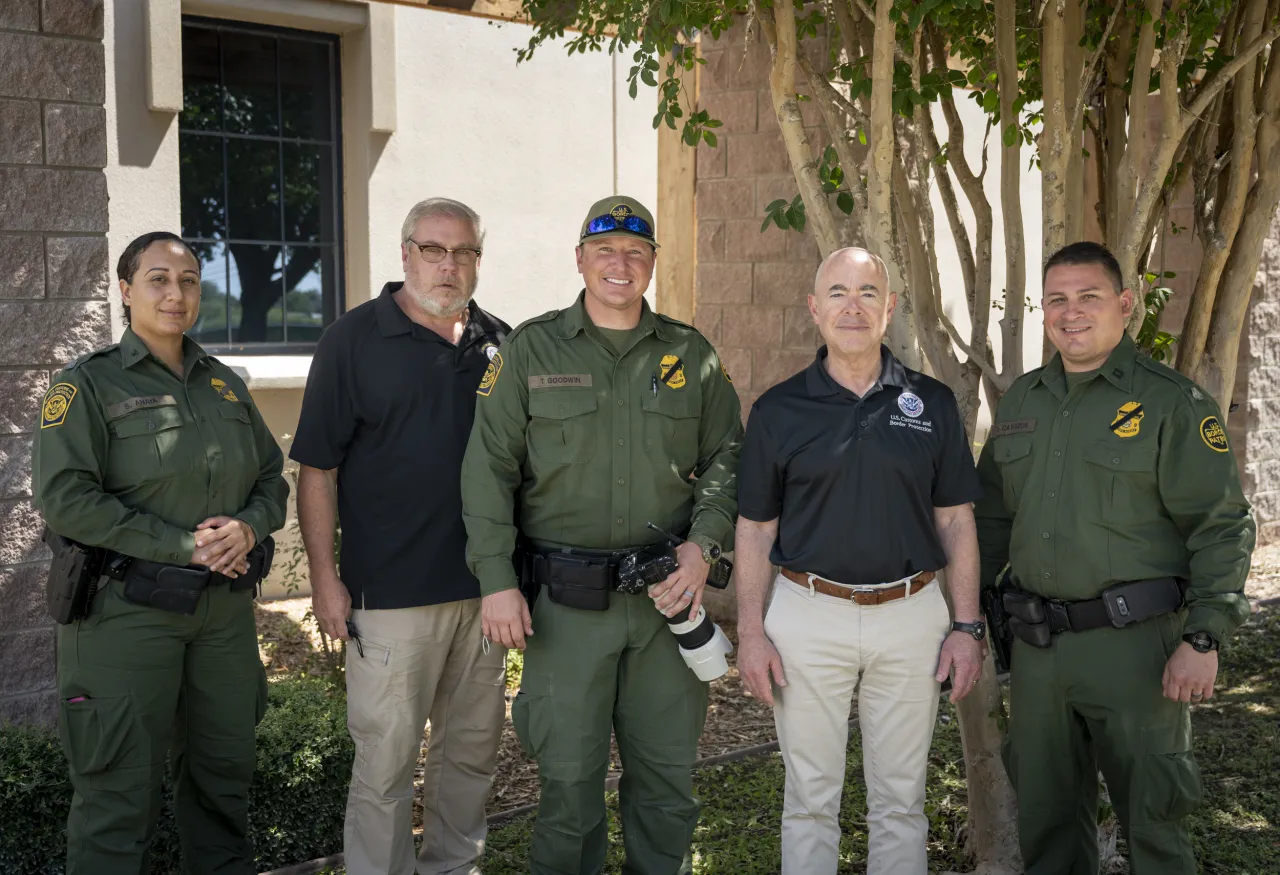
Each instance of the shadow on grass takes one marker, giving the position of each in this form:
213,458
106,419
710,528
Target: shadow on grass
1236,832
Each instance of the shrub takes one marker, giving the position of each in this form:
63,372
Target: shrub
296,803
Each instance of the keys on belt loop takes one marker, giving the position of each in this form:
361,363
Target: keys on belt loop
813,593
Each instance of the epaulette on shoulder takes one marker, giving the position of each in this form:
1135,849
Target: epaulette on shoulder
75,363
549,316
1023,384
1188,386
671,320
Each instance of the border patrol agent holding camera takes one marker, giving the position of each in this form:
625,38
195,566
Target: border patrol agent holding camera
593,422
1112,493
161,485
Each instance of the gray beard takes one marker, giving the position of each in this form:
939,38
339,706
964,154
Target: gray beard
442,309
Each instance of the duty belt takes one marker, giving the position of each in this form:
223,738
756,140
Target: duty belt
601,565
1119,606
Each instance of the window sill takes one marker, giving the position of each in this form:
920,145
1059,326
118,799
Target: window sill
270,371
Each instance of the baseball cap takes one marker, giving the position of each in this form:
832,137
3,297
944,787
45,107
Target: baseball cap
619,216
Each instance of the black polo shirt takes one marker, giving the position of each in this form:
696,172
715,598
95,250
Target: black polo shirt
390,405
853,481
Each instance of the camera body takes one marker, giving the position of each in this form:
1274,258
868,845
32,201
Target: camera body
703,644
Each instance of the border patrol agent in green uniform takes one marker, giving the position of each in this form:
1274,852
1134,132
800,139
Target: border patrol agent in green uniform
591,422
1114,497
152,454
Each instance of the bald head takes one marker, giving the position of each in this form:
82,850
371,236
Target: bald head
851,264
851,302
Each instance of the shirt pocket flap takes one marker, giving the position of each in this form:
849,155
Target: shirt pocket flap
1121,458
561,405
1009,449
673,404
236,412
147,422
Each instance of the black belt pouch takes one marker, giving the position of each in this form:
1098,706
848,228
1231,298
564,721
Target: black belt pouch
578,583
171,588
260,558
1035,634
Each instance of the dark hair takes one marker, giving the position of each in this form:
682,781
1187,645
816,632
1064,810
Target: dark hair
131,258
1086,252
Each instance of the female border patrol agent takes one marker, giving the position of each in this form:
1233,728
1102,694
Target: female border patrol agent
152,451
596,420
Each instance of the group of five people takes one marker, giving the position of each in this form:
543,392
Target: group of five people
491,484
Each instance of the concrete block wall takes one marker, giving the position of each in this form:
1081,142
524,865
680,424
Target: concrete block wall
1254,429
750,287
54,281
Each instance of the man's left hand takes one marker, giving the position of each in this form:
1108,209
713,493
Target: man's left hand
961,658
683,586
1189,674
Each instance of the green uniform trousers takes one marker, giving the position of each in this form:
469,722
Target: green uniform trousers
585,671
138,684
1093,700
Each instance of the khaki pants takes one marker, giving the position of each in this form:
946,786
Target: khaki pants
889,653
421,664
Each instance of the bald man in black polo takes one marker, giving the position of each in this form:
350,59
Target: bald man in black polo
856,479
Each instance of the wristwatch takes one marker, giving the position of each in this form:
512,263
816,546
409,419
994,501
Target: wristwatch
1201,642
710,549
977,629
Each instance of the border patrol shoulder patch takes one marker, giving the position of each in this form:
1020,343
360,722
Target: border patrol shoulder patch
490,378
1213,434
57,402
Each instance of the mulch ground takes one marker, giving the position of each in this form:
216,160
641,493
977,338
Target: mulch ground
290,644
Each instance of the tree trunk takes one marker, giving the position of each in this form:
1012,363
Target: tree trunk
1015,257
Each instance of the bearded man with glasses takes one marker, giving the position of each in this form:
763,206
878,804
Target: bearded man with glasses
385,420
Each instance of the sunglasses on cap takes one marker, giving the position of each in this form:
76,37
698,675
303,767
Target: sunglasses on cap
604,224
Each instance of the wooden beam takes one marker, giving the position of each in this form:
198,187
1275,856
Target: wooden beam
677,216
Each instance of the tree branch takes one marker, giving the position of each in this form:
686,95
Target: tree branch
1219,80
780,32
1015,279
1091,68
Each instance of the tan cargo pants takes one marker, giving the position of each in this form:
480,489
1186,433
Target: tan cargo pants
419,665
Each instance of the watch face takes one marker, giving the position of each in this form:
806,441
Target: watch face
1202,642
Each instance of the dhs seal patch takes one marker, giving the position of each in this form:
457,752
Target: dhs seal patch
910,404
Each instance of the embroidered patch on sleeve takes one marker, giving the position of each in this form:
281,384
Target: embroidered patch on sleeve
490,378
1213,434
728,379
56,404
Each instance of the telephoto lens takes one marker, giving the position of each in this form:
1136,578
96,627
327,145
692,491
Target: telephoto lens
703,644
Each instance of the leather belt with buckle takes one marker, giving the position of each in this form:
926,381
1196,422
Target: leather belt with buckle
861,596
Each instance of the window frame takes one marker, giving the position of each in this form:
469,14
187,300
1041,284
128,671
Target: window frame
337,307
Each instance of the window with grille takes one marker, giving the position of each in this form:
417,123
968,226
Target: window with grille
259,152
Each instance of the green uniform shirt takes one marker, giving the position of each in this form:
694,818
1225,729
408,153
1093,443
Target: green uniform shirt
131,457
1127,476
590,445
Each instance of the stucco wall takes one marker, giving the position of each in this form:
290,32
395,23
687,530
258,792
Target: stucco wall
529,147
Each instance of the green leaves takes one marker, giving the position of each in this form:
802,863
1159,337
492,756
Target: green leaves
786,215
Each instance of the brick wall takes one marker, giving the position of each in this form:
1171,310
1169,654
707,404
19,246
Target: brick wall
751,287
53,288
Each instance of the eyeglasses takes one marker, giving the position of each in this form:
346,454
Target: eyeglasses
604,224
435,254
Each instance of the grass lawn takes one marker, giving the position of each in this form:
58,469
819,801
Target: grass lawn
1237,832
